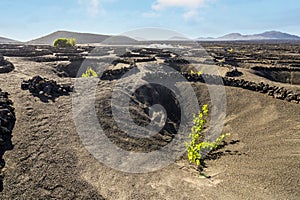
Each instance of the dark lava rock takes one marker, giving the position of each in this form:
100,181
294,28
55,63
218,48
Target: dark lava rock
177,60
7,122
45,89
116,73
234,73
15,50
122,61
5,66
148,59
273,91
279,74
49,59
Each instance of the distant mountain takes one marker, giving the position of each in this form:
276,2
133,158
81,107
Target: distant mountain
119,39
205,38
139,38
279,35
178,38
269,35
82,38
4,40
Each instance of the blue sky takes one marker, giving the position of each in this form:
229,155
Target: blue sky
27,19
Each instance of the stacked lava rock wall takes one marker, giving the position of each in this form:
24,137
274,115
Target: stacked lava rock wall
7,122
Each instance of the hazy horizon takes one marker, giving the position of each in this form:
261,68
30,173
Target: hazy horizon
26,20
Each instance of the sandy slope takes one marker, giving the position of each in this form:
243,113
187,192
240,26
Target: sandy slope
49,160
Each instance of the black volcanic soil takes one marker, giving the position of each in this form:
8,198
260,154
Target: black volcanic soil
49,161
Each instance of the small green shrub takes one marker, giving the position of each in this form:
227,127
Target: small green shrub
89,73
197,143
64,42
198,73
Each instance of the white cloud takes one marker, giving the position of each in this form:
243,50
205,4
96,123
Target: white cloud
190,15
191,6
93,7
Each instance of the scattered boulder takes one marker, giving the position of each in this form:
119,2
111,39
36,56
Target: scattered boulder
234,73
45,89
5,66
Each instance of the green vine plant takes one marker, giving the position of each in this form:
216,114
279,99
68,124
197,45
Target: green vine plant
198,72
89,73
197,143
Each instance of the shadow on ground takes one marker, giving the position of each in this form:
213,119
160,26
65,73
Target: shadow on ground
218,153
